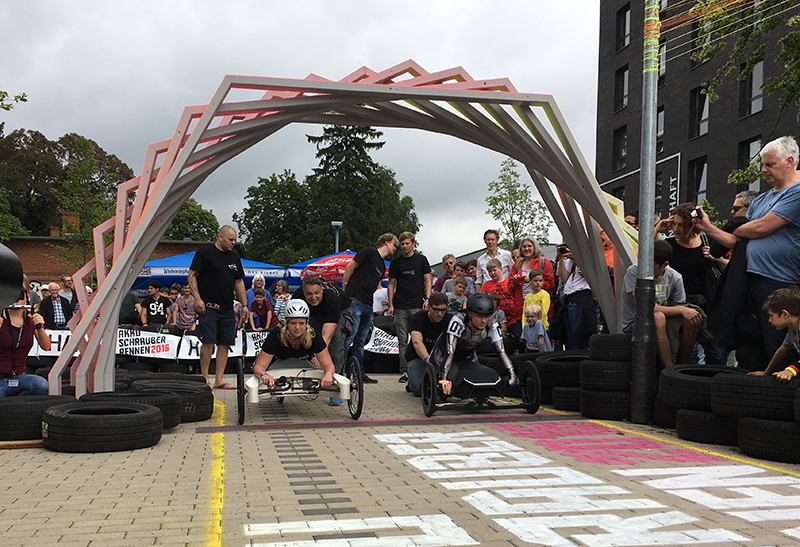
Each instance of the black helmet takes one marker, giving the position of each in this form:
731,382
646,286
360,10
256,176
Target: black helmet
480,303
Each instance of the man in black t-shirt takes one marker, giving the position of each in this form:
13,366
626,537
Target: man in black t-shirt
425,328
155,309
331,315
361,278
216,272
410,282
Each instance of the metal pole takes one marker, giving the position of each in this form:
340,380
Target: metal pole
337,225
644,377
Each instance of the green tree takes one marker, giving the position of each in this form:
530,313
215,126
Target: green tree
350,186
33,170
275,216
511,204
82,197
7,101
192,219
286,219
755,26
9,224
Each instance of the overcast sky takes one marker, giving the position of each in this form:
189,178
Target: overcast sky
120,73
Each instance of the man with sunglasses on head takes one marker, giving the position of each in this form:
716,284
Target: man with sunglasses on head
425,328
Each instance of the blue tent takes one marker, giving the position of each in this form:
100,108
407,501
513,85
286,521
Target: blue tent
175,269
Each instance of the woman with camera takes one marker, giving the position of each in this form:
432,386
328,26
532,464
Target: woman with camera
18,326
690,258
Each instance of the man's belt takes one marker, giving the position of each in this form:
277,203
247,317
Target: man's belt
212,305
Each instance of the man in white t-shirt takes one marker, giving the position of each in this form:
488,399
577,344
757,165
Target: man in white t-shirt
670,312
491,238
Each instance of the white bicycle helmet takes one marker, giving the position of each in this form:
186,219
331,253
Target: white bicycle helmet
297,308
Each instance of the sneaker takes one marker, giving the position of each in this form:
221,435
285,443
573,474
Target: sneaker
335,401
367,380
403,377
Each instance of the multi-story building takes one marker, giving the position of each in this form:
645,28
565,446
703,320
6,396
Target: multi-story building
699,142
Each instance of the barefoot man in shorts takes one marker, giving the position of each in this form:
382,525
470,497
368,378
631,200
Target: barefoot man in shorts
216,272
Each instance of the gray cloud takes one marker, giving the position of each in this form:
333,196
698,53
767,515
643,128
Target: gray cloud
121,73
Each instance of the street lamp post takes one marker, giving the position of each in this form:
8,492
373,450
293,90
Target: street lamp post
337,225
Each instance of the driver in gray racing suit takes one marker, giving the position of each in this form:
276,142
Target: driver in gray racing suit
464,334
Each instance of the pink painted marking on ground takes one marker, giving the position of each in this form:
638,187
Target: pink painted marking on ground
595,443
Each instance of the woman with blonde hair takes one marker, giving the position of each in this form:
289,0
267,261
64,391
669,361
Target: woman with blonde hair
295,339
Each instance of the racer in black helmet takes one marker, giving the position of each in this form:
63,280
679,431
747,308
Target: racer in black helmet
464,334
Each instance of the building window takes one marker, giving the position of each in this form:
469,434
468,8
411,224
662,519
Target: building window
698,113
698,179
748,151
660,130
751,98
620,148
662,62
659,194
621,88
618,192
624,27
664,4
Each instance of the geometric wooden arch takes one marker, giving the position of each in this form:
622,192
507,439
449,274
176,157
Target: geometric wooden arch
490,113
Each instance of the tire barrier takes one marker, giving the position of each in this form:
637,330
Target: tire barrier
743,396
606,405
689,386
605,375
169,403
101,427
567,398
197,400
770,439
611,347
705,427
22,416
664,414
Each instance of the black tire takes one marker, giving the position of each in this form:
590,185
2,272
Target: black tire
743,396
140,366
605,375
173,367
567,398
561,368
44,372
531,388
22,416
178,377
772,440
124,359
101,427
606,405
121,386
610,347
132,375
430,388
705,427
664,414
169,403
241,392
356,402
689,386
197,400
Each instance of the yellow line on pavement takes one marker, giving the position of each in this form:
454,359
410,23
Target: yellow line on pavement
217,483
749,461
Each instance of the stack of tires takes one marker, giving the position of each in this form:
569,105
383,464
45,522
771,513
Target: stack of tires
765,412
559,373
605,378
684,403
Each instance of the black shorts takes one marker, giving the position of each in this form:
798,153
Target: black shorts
217,327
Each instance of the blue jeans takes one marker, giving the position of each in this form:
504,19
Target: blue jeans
401,319
416,367
29,384
362,320
575,336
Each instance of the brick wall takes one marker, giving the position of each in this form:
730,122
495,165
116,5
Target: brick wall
40,255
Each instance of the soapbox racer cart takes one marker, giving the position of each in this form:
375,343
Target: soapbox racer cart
295,378
479,386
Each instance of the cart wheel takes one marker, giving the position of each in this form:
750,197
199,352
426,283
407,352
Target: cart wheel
279,399
356,401
241,390
531,388
429,390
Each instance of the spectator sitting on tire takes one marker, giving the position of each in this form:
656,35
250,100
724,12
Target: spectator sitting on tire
465,332
676,324
783,308
17,330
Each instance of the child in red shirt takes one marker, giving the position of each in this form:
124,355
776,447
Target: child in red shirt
503,288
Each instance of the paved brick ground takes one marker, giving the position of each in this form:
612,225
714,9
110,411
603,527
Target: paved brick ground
503,479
